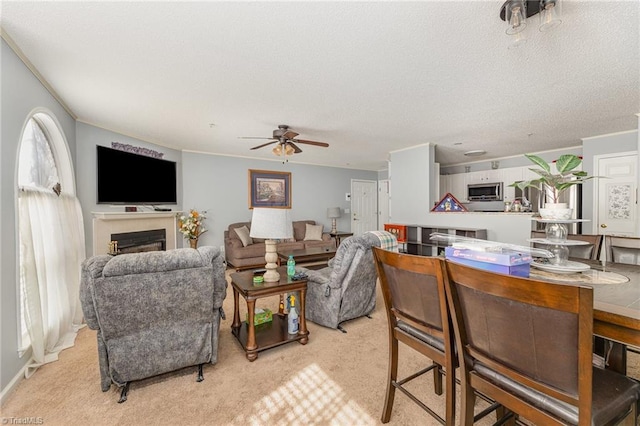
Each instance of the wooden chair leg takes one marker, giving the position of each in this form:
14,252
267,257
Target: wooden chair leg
391,380
437,379
467,405
450,397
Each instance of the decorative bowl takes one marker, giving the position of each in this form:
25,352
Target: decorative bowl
557,214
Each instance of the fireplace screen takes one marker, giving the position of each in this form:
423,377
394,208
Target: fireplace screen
136,242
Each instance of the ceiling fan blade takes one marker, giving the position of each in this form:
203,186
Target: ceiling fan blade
290,134
295,147
324,144
264,144
251,137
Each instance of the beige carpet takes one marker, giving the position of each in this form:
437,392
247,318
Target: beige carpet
336,379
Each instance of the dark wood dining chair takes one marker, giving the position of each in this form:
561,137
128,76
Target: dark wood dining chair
586,251
623,250
527,344
414,297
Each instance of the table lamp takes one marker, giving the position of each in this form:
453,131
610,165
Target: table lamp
271,224
333,213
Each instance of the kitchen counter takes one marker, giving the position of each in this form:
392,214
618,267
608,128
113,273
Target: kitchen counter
508,227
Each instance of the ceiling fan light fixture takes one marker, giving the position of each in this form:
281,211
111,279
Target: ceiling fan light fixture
288,150
277,150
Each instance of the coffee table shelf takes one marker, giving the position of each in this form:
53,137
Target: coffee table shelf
268,335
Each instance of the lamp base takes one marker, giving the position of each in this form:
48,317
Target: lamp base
271,257
334,229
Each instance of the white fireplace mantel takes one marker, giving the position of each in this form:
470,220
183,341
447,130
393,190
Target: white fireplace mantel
107,223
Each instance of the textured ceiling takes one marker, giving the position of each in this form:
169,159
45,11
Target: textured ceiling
366,77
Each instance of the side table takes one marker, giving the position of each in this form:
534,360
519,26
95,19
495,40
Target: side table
339,235
275,333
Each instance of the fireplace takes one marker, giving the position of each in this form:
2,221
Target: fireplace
108,224
136,242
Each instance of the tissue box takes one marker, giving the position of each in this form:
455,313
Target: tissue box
261,316
511,263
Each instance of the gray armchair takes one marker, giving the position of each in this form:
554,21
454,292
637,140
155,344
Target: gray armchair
155,312
346,289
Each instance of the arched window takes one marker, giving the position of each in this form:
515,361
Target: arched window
51,241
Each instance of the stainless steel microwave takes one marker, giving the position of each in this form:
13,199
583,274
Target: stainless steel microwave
485,192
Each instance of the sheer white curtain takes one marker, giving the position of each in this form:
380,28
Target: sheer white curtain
51,251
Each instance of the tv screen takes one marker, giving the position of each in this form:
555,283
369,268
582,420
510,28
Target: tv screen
128,178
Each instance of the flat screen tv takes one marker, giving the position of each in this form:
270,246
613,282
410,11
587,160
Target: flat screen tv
128,178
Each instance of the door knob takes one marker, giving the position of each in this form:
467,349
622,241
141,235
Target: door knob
604,225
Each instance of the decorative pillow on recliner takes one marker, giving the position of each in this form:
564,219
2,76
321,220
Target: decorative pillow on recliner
313,233
243,234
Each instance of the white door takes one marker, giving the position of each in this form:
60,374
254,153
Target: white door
364,212
617,195
383,203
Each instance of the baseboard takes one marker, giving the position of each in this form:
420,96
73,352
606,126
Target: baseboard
12,384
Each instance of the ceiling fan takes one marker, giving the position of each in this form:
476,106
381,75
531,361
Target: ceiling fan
286,140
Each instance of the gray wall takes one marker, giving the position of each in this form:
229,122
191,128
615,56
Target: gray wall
410,176
88,138
21,94
220,185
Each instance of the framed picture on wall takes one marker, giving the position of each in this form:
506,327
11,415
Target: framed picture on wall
269,189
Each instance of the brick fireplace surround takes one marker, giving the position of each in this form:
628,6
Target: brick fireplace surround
107,223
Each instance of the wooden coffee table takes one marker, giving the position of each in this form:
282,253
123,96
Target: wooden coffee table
309,255
274,333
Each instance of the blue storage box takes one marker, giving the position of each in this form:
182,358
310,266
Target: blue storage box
512,263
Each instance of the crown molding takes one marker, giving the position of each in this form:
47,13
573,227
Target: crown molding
12,44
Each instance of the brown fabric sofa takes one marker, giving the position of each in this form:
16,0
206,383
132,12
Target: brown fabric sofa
252,256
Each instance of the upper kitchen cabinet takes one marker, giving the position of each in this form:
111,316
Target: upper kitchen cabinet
484,176
458,186
509,176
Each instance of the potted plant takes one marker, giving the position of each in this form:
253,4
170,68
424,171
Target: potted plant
553,185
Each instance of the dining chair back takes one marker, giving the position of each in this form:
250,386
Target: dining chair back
583,251
527,344
623,250
417,313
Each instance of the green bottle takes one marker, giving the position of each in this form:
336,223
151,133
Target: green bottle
291,266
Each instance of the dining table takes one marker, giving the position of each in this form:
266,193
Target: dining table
616,303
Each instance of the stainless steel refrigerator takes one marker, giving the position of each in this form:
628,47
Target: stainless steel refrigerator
572,196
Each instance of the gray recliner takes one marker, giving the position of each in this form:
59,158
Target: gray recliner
154,312
346,289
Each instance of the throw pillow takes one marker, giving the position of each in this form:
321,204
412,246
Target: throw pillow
313,233
243,234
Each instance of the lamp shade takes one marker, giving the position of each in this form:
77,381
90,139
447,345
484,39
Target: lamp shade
333,212
271,223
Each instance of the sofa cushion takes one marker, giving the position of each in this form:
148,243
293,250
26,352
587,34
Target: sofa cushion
232,228
313,233
243,234
254,250
300,228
